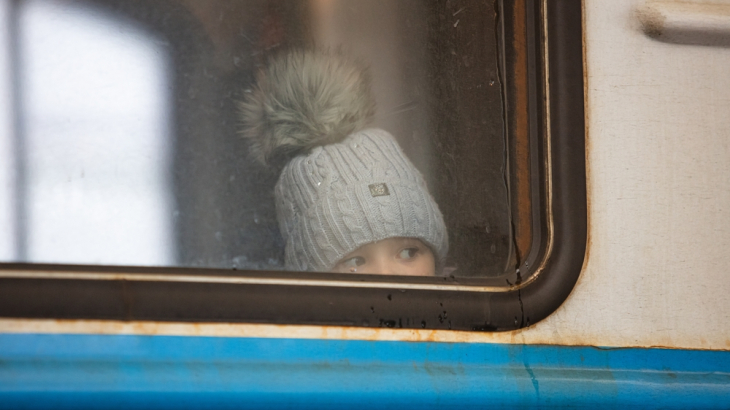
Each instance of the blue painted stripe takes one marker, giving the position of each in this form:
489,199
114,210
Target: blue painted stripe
96,371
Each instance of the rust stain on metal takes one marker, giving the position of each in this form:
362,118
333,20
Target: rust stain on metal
517,337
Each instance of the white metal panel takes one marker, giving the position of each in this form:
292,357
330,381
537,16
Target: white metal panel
658,134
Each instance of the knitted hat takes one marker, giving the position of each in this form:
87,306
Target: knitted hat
344,187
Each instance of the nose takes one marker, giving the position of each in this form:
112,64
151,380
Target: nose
384,267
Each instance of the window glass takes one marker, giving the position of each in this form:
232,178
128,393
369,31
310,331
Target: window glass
121,137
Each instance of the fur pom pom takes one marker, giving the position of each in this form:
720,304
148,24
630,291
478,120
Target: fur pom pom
305,99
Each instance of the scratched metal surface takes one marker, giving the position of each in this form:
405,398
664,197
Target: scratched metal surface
95,371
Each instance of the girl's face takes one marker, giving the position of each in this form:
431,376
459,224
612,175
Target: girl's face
392,256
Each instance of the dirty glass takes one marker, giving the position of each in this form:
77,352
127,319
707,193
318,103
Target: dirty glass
120,142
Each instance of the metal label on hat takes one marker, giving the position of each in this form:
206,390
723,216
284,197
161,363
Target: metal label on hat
380,189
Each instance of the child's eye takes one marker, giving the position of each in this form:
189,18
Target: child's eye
353,262
408,253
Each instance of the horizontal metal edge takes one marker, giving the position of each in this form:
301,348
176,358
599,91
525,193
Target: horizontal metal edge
277,331
82,371
241,280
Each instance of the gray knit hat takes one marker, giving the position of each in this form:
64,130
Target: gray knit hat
344,187
342,196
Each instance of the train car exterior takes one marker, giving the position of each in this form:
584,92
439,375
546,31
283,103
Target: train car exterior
644,326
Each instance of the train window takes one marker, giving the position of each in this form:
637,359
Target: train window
136,164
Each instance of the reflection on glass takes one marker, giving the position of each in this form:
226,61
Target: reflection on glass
128,149
96,138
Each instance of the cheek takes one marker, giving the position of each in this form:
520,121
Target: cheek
430,268
423,266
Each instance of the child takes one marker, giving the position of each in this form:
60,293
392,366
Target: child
347,198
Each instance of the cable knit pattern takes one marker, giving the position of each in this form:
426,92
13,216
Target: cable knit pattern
326,209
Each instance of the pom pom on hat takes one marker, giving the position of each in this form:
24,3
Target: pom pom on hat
305,99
